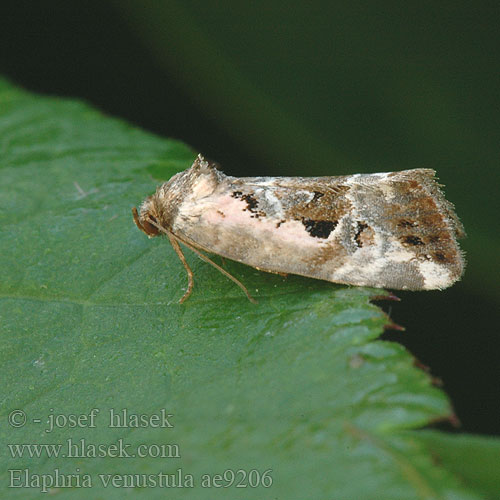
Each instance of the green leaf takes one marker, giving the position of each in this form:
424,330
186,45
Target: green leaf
475,459
295,390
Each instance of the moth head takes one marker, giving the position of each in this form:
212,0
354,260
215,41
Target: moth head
147,217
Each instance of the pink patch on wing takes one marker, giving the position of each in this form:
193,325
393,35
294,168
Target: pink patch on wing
235,215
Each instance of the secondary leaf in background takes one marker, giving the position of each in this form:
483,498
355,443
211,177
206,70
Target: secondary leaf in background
476,459
89,319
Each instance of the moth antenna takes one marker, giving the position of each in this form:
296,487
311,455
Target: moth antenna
174,241
179,253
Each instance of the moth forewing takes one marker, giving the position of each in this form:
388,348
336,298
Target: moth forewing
389,230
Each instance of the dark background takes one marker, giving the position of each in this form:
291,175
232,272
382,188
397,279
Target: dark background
310,88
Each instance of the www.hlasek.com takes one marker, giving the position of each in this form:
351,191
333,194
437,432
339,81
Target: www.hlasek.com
55,480
81,448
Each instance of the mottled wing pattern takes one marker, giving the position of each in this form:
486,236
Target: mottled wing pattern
393,230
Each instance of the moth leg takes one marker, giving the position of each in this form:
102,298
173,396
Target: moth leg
179,253
174,241
223,271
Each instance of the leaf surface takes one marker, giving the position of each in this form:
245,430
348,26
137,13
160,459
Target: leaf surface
298,385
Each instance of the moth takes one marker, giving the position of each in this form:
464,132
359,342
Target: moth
386,230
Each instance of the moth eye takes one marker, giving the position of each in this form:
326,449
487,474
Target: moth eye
149,228
143,224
